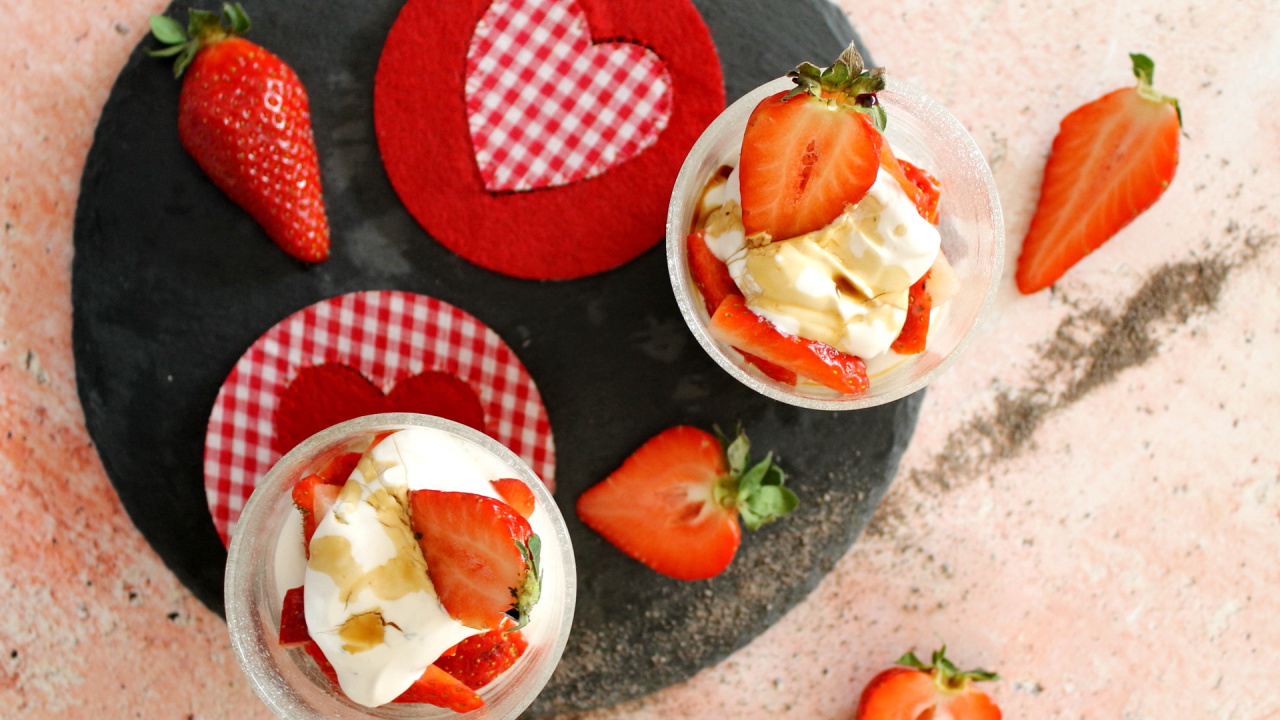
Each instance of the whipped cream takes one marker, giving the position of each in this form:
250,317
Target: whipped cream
846,284
369,602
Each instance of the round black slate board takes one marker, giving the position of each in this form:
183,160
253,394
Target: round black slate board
171,283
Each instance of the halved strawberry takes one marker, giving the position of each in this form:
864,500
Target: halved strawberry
517,494
929,187
313,497
712,278
927,691
921,188
479,659
1112,159
709,274
293,620
915,330
322,662
674,503
735,324
481,555
439,688
338,470
810,152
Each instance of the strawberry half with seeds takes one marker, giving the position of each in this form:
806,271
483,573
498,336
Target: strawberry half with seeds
1112,159
479,659
439,688
674,503
482,556
916,690
244,117
810,152
735,324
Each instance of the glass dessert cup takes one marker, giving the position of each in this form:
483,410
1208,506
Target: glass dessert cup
268,538
969,221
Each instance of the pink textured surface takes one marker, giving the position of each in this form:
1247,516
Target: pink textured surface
1104,529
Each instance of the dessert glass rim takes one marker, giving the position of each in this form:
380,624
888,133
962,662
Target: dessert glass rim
243,616
689,180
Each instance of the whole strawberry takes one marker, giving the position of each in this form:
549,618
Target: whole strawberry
243,115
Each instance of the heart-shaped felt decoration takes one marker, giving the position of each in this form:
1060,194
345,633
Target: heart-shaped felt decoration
334,360
423,123
546,106
324,395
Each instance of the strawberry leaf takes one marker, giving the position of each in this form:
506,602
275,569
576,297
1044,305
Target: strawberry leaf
528,594
235,15
1144,68
167,30
762,498
201,23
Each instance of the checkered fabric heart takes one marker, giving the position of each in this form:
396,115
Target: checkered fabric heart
546,107
387,336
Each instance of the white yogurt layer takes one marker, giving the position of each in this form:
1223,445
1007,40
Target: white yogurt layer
846,284
369,603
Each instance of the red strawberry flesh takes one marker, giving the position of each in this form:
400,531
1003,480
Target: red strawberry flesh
439,688
480,659
658,506
736,325
802,163
472,547
1111,160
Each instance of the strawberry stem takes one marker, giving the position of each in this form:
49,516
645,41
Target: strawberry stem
845,84
1144,68
759,494
203,28
945,674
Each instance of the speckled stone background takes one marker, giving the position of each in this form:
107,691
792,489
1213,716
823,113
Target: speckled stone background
1091,504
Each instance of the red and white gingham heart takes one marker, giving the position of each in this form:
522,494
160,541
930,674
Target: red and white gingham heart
547,107
387,336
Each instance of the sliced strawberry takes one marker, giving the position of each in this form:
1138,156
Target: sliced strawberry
674,503
314,498
710,275
810,152
339,469
517,494
927,691
481,556
802,164
915,330
293,620
714,282
735,324
481,658
439,688
322,662
1112,159
928,185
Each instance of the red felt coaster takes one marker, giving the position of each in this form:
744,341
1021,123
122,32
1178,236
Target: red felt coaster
357,354
528,150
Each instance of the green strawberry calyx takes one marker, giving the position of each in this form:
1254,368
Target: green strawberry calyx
530,591
759,493
946,675
1144,68
203,28
846,84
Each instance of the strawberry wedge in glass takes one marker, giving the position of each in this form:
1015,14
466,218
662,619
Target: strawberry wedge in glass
833,237
398,561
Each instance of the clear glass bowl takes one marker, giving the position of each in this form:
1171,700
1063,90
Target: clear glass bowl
972,228
269,530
